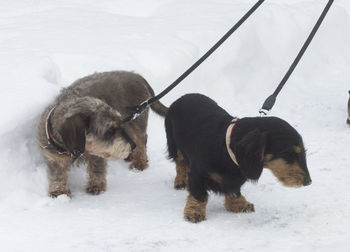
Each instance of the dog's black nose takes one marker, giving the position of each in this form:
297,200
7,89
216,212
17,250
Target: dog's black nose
75,154
307,181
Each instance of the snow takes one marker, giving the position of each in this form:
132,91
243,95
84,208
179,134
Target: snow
46,45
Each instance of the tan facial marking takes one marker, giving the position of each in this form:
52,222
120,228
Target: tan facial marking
289,174
297,149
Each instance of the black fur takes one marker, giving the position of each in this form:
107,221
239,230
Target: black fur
196,126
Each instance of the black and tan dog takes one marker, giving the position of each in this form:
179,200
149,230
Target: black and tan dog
84,124
213,151
348,119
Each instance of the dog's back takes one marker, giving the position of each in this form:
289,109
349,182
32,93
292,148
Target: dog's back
112,88
182,121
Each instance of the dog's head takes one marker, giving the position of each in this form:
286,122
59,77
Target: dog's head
272,143
93,126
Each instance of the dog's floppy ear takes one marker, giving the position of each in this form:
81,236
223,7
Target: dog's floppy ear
72,132
250,154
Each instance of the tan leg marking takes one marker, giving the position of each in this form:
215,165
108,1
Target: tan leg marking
195,210
238,204
182,171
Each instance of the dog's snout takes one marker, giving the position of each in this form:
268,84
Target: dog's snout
307,181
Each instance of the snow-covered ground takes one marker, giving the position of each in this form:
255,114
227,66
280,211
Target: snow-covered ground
45,45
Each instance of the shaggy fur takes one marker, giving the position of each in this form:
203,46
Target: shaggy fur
348,120
196,129
85,120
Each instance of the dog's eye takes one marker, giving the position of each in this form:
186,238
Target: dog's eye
290,157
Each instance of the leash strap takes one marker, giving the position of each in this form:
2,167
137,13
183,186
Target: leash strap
140,108
270,101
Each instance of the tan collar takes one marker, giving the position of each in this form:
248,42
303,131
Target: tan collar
228,140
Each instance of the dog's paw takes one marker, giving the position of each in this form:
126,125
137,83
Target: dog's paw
194,217
238,205
56,193
180,181
56,189
138,165
128,159
195,210
248,208
95,189
179,185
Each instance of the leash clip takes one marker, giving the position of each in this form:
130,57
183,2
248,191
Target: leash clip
139,109
263,112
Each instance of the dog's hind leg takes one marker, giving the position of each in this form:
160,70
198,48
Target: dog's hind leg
97,175
182,170
238,204
58,178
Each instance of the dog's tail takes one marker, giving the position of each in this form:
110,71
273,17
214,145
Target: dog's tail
172,148
159,108
156,106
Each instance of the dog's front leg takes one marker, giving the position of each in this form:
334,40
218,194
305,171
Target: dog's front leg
195,210
238,204
58,178
196,204
138,156
97,175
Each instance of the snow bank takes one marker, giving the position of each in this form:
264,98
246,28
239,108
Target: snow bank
44,46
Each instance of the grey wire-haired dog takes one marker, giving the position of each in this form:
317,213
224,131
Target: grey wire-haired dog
84,124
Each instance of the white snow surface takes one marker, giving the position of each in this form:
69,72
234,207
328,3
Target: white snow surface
46,45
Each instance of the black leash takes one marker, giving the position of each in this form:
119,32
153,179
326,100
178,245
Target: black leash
270,101
140,108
